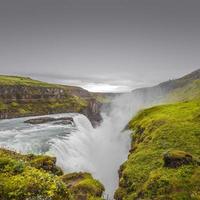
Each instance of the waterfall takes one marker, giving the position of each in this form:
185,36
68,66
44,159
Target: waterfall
80,147
99,151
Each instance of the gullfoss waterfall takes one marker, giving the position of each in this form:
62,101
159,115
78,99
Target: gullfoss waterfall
79,146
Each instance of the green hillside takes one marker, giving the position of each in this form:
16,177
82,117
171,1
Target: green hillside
188,92
23,96
181,89
172,130
25,81
164,158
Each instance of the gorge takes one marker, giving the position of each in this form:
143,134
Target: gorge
99,100
101,149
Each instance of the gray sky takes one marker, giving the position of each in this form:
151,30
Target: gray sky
102,45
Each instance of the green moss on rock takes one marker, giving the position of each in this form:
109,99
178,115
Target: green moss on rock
83,186
47,163
31,177
176,158
159,134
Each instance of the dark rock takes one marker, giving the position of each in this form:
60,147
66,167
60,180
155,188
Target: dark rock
64,122
93,112
176,158
41,120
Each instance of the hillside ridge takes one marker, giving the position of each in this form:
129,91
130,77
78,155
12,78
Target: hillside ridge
23,96
163,162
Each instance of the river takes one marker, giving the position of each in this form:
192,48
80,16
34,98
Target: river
78,146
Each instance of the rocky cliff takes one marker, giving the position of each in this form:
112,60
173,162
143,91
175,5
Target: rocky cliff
21,96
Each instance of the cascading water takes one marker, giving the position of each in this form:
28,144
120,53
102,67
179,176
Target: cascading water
100,151
81,147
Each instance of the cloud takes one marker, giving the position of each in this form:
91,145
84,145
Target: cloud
122,44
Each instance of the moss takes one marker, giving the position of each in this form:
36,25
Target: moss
25,81
11,166
176,158
47,163
120,193
43,106
19,180
14,104
171,184
34,177
172,130
83,185
3,106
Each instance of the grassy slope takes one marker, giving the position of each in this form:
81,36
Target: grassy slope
26,81
71,103
188,92
37,178
44,106
155,131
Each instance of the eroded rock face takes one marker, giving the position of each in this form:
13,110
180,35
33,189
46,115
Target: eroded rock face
93,112
176,158
18,92
22,101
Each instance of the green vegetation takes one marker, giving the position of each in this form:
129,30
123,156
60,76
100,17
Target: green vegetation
34,97
29,98
21,96
25,81
34,177
188,92
164,159
20,180
43,106
83,185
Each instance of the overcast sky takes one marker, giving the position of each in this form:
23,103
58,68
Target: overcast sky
101,45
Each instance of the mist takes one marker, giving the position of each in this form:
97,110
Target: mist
102,150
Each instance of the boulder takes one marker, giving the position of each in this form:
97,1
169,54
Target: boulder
42,120
83,185
176,158
46,163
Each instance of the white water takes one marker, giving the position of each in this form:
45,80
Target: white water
100,151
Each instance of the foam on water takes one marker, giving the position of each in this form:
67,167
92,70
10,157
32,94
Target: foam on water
100,151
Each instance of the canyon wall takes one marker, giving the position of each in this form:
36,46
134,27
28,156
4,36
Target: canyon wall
27,97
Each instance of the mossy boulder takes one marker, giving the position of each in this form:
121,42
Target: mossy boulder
176,158
119,193
47,163
42,120
83,186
